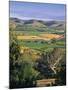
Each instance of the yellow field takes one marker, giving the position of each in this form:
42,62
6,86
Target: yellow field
31,38
51,36
40,37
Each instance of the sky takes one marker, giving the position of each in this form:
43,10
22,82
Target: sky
39,11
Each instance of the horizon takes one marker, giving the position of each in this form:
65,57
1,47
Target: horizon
36,19
37,11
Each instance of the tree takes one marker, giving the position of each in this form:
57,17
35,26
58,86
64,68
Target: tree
12,35
61,74
22,73
27,75
43,66
14,55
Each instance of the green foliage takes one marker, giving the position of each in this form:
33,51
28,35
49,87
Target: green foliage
25,68
22,73
12,32
43,66
62,75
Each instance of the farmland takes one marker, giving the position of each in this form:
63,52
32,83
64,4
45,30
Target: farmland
45,37
41,41
38,51
40,36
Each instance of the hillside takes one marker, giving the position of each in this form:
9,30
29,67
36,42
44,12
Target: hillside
39,23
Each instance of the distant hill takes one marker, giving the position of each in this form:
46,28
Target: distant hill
17,21
55,24
35,23
39,23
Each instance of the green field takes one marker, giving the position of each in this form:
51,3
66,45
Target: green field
41,44
36,32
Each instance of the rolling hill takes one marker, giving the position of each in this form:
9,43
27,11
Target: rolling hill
39,23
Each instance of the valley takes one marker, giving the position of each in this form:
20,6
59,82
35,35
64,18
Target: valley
42,46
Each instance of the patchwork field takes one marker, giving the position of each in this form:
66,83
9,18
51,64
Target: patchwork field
41,41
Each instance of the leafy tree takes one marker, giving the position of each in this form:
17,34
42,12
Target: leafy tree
43,67
12,36
22,73
27,75
61,73
14,56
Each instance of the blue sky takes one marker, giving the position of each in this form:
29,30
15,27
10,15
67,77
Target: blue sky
40,11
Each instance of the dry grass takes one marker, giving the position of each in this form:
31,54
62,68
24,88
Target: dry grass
51,36
31,38
40,37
